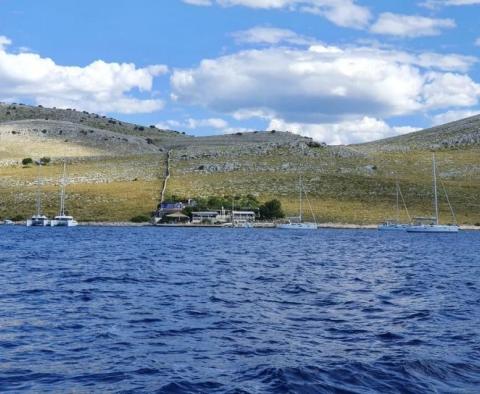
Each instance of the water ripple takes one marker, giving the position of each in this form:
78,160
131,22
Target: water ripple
146,310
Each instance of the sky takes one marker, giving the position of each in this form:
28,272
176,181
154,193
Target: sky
339,71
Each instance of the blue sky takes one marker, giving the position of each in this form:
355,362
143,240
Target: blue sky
340,71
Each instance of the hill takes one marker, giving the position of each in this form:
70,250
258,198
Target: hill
116,169
459,134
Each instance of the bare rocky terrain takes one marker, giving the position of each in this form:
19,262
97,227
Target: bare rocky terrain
458,134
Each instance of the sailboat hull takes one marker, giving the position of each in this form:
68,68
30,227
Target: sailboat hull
298,226
63,221
38,221
393,227
433,228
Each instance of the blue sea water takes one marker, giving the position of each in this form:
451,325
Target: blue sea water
165,310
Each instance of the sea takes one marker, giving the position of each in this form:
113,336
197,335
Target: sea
172,310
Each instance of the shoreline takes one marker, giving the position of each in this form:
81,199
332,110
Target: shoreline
258,225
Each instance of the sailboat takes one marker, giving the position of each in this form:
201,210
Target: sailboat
396,225
297,223
62,219
38,219
432,225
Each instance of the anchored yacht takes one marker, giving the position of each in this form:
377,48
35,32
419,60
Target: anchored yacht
396,224
62,219
432,225
297,223
38,219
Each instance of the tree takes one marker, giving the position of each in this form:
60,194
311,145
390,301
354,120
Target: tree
27,161
271,210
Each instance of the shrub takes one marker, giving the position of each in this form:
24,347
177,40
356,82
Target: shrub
271,210
45,160
17,218
314,144
140,219
27,161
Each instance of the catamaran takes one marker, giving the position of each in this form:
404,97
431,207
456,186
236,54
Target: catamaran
432,225
395,224
62,219
38,219
297,223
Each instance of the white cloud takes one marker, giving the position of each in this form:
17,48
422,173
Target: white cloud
450,90
271,36
192,124
215,123
99,86
335,94
198,2
344,13
440,3
341,133
326,84
452,116
410,25
4,41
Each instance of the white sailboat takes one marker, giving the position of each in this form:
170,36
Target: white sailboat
38,219
62,219
432,225
297,223
395,224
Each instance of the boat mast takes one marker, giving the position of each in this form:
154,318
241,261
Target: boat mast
301,205
38,202
398,202
62,190
435,189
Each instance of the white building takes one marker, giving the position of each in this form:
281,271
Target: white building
223,217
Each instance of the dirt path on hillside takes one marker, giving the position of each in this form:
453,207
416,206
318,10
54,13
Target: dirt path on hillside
167,176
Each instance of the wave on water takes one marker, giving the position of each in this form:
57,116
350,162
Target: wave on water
206,311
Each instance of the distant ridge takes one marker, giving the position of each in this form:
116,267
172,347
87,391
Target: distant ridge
457,134
14,112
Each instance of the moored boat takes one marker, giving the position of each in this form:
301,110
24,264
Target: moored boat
62,219
396,225
432,225
297,223
393,225
38,219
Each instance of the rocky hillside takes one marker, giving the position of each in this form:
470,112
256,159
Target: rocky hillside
18,112
459,134
116,169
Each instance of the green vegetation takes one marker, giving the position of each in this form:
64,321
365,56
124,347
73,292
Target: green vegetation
27,161
140,219
271,210
45,161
